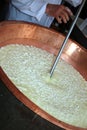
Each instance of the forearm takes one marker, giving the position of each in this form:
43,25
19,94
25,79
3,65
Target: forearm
50,10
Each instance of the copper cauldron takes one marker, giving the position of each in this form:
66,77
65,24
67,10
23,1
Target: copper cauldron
12,32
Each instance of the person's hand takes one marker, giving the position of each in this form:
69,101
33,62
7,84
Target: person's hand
60,12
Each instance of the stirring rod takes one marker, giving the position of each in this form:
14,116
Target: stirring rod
66,39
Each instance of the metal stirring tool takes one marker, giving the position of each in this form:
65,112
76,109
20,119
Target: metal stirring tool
66,38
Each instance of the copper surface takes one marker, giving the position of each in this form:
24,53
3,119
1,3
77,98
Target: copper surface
12,32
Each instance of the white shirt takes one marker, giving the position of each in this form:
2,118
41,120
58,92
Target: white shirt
34,10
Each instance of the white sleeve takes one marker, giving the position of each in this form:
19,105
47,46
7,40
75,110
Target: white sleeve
74,2
35,8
